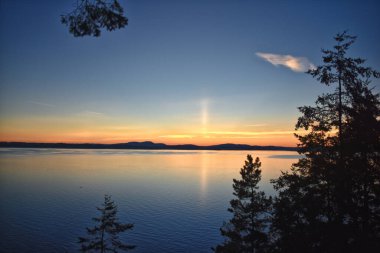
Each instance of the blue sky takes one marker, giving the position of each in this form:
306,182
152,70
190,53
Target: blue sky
180,72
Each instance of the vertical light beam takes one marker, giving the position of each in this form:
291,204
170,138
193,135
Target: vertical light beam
204,115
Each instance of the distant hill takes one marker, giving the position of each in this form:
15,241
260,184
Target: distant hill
141,145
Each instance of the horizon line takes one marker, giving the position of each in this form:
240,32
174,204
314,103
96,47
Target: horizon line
154,145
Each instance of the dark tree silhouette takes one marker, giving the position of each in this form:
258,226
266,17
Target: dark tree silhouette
330,201
343,70
104,236
90,16
246,231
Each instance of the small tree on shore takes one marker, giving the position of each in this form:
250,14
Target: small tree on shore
104,236
246,231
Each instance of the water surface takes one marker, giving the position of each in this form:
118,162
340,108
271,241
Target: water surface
177,199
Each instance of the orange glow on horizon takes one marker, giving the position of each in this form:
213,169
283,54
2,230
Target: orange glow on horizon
263,140
202,130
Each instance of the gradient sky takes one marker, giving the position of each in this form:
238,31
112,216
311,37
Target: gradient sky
201,72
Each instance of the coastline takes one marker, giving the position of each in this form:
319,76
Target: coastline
143,145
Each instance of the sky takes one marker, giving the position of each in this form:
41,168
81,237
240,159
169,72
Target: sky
200,72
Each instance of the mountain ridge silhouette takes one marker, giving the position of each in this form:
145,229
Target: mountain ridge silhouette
143,145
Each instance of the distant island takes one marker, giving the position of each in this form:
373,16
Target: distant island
142,145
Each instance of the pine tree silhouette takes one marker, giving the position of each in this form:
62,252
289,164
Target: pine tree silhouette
104,236
246,231
330,200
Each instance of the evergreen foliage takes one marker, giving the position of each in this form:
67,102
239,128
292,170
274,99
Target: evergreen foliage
330,200
246,231
90,16
104,236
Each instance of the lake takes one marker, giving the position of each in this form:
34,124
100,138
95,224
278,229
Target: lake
177,200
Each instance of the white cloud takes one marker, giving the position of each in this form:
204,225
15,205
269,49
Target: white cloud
297,64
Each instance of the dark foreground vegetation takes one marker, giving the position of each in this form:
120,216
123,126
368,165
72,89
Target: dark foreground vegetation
330,200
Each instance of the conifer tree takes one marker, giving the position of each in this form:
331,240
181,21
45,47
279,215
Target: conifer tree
104,236
90,16
330,201
246,231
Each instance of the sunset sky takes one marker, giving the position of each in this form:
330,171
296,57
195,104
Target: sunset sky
200,72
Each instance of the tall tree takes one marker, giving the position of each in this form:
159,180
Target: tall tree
246,231
90,16
345,71
330,200
104,236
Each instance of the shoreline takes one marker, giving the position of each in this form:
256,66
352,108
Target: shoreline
143,146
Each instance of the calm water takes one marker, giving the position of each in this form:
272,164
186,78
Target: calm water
176,199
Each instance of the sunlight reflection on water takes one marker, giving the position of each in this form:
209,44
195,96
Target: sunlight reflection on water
176,199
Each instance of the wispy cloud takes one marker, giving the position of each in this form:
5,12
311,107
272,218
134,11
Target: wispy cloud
297,64
41,104
177,136
257,125
92,113
250,133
